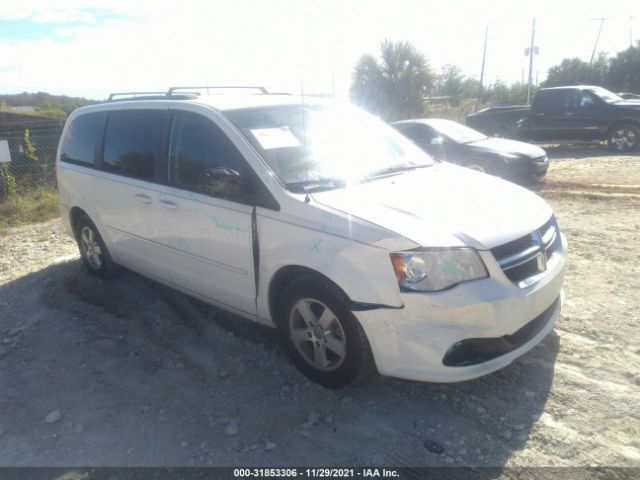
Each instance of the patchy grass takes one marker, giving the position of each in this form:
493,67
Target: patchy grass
34,205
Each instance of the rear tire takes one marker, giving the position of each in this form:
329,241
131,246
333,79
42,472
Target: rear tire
323,338
93,250
624,138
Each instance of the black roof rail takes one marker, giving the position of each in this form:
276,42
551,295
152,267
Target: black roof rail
261,90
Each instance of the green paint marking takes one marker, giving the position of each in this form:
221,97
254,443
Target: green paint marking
316,246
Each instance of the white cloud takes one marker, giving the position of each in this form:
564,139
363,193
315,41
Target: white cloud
274,43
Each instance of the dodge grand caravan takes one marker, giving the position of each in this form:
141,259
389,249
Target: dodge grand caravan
320,220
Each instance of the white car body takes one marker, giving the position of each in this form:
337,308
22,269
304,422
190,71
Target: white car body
228,254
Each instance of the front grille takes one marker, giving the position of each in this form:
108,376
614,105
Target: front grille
541,159
527,256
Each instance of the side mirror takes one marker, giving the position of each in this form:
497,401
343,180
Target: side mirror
437,141
221,182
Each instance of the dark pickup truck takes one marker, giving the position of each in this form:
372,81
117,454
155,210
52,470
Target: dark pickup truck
562,114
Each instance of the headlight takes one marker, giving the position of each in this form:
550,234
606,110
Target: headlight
509,157
434,270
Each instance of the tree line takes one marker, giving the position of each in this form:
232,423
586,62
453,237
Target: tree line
45,104
400,83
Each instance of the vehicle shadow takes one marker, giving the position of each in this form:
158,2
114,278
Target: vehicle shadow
561,152
128,355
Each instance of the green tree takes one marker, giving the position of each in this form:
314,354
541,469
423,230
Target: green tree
450,81
573,71
393,86
624,70
7,182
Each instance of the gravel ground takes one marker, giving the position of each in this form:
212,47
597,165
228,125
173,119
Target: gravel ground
128,372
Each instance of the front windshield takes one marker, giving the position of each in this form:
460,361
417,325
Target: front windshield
457,132
330,141
606,95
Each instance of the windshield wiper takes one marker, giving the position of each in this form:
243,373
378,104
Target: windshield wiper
310,186
401,167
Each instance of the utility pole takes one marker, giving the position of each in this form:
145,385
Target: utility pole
595,46
484,56
531,49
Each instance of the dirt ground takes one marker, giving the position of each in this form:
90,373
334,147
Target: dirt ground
128,372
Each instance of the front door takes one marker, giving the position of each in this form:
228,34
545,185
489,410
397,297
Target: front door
205,215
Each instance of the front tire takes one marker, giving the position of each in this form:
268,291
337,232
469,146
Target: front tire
93,250
479,166
624,138
322,336
499,132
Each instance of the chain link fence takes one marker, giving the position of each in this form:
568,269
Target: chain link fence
27,159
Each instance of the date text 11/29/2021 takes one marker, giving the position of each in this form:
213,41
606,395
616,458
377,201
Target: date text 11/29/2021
315,473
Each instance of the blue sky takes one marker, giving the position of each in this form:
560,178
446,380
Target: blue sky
93,47
32,29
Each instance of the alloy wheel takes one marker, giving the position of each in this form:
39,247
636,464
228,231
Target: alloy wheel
317,334
623,139
91,247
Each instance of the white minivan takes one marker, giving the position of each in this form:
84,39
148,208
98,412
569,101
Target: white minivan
317,218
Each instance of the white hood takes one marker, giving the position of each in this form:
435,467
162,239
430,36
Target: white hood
444,205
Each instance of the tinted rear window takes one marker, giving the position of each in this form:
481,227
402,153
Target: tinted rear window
81,137
134,142
552,100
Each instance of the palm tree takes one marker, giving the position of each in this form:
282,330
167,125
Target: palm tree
395,85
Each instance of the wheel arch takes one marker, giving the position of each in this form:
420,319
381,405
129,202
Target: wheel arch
74,214
287,274
633,121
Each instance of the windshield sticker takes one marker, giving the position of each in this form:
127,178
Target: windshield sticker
270,138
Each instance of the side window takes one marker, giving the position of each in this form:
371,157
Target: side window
578,99
79,143
134,142
550,100
203,159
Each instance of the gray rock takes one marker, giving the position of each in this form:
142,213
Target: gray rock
53,417
313,418
232,429
529,393
481,410
78,428
223,374
519,426
506,434
15,331
268,446
433,446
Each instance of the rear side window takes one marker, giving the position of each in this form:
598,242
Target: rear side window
134,142
81,137
204,160
552,100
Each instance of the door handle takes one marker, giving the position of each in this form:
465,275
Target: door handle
539,114
568,114
142,198
170,204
